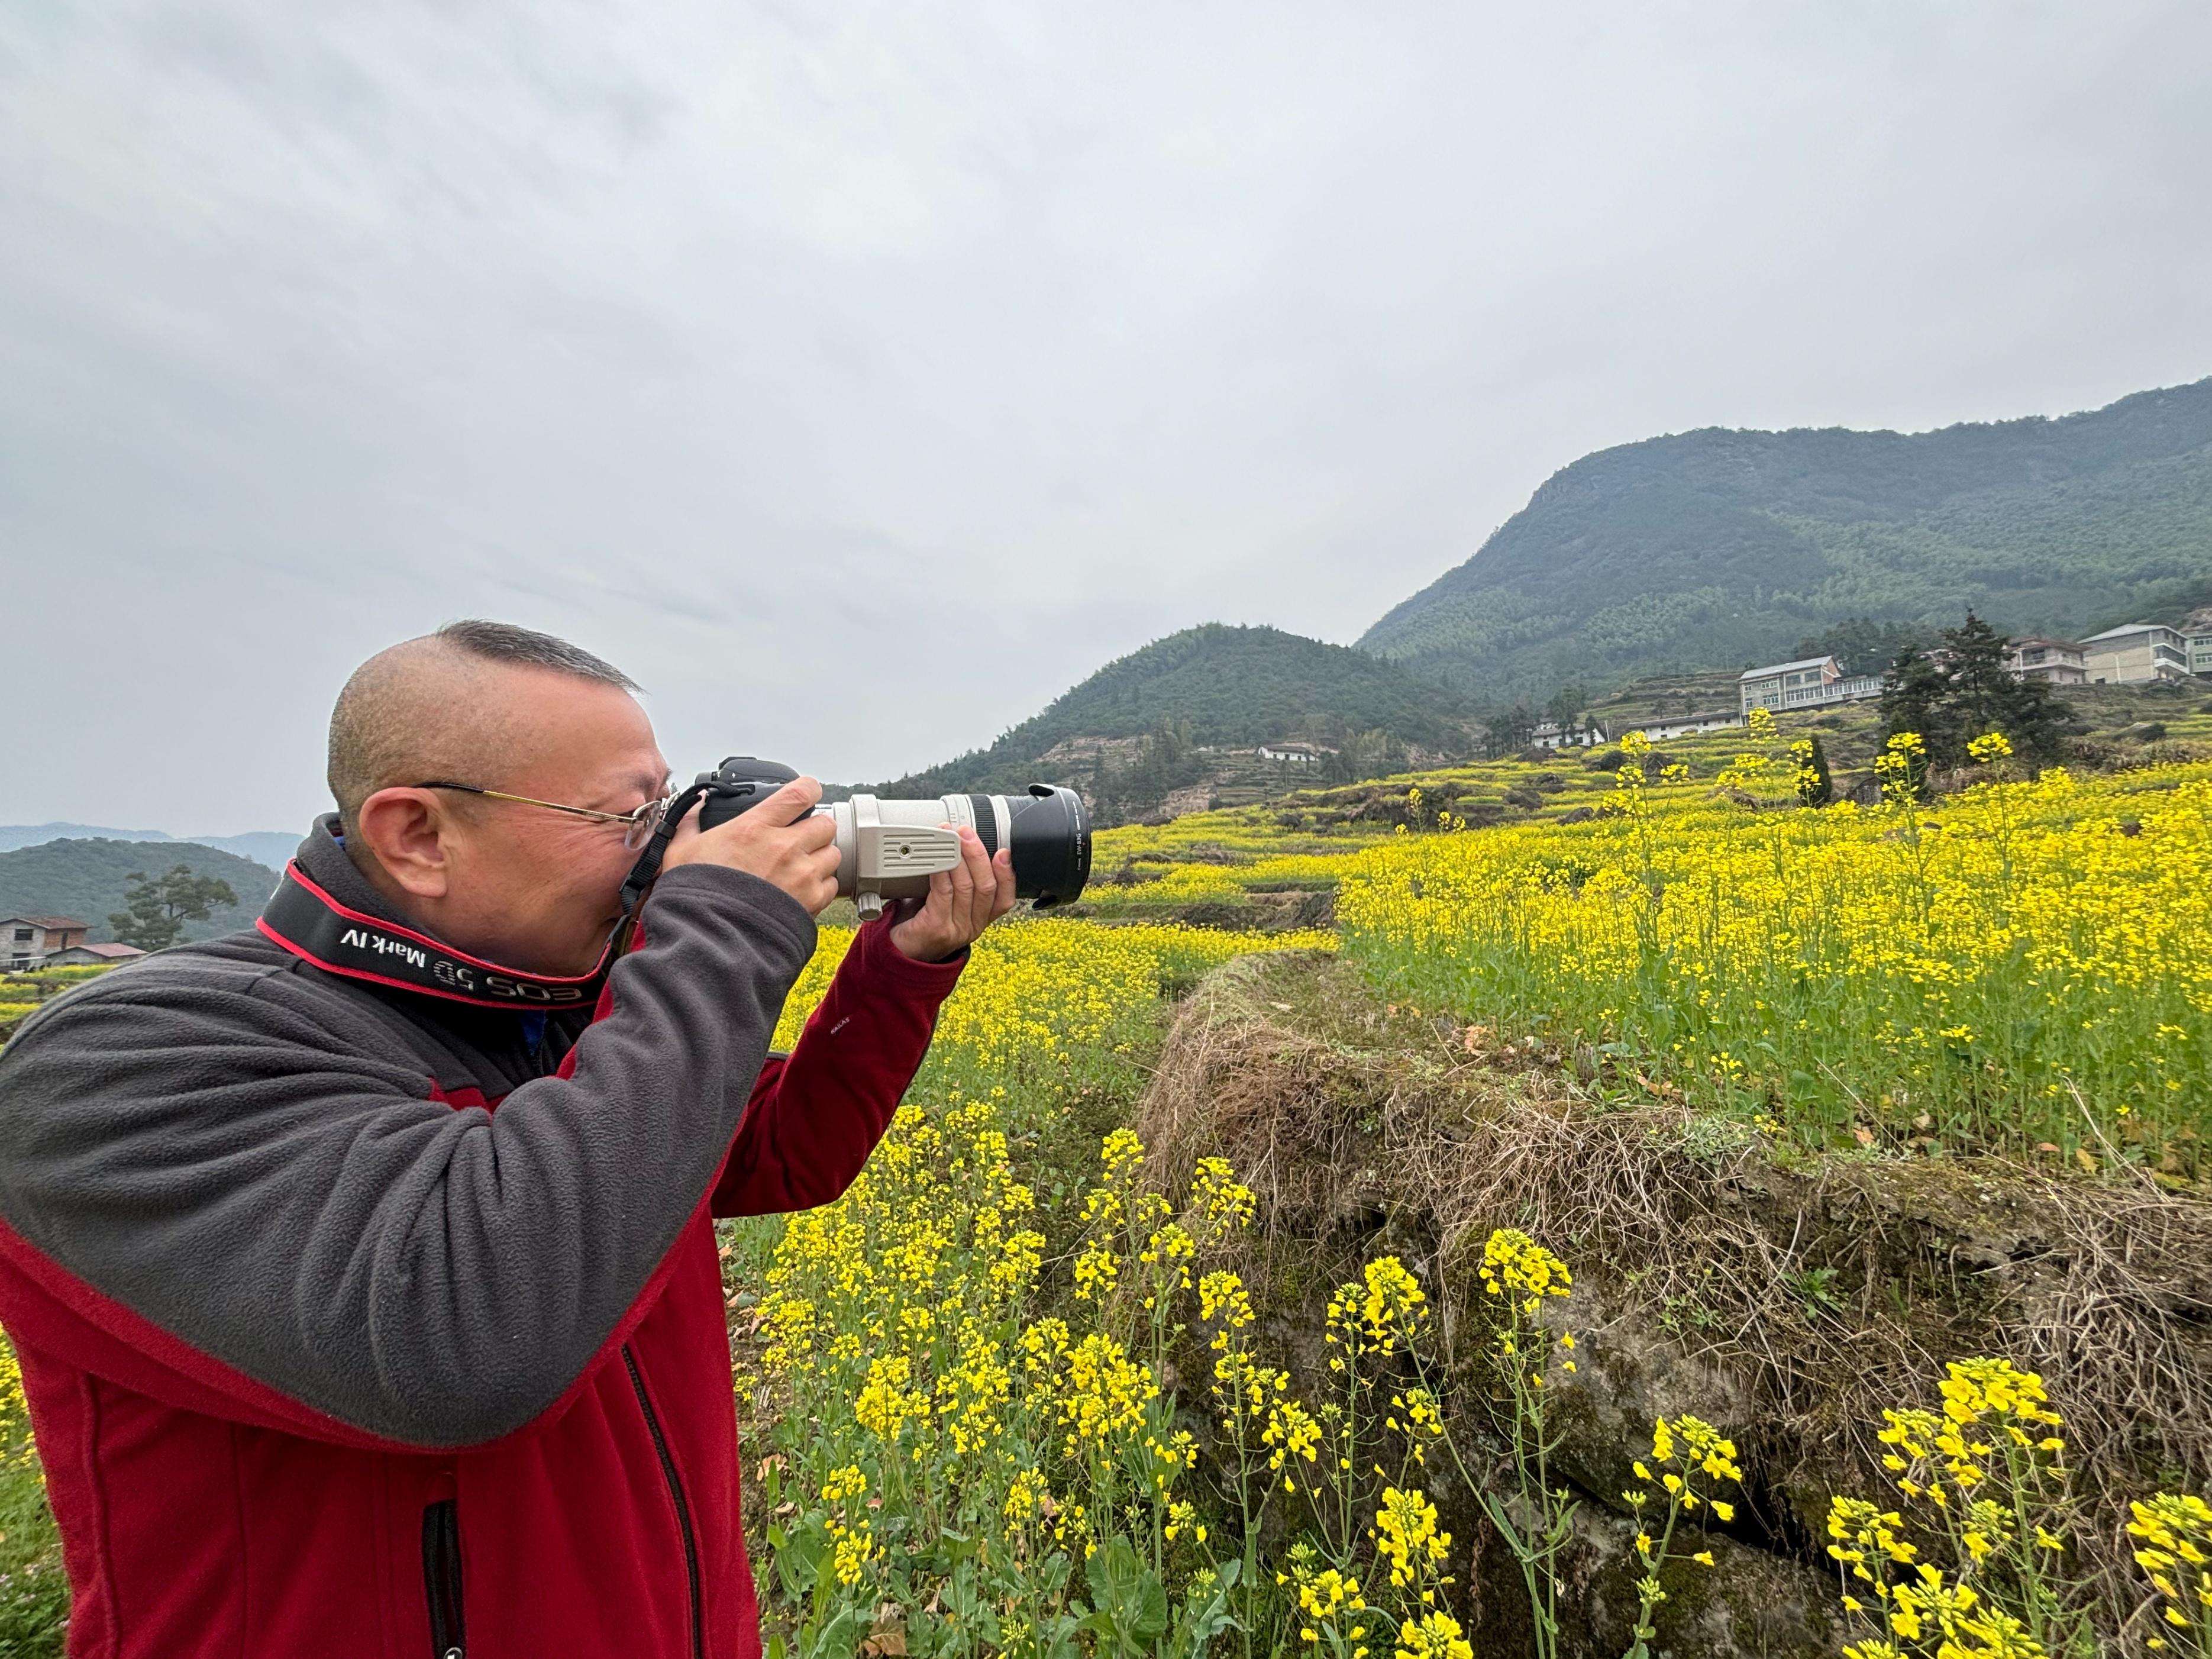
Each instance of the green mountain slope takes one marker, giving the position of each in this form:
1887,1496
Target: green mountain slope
1717,549
1216,685
85,879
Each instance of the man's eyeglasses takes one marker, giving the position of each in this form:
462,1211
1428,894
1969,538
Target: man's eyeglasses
638,824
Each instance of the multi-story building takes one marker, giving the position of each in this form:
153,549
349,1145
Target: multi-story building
28,941
1809,683
2200,649
2135,653
2059,661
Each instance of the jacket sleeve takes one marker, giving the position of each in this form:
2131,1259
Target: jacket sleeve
192,1166
816,1114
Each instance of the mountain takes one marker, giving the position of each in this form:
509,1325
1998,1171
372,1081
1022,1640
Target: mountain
1720,549
85,878
269,847
1141,727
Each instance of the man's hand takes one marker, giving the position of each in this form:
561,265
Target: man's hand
776,841
963,902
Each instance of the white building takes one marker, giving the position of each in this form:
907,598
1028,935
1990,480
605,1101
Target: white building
2059,661
1809,683
1550,734
1691,726
2200,649
1298,754
2135,653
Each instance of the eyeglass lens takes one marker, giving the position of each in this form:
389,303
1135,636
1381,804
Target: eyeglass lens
647,820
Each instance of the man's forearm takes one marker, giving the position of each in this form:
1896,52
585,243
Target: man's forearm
816,1115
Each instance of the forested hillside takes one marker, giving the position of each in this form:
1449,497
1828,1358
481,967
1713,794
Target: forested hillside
1715,548
85,879
1215,686
268,846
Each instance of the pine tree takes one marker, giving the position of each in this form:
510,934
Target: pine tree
1964,691
1918,699
1987,697
157,909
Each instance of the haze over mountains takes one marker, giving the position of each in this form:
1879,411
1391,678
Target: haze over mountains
268,846
1696,552
1700,551
1210,686
1718,549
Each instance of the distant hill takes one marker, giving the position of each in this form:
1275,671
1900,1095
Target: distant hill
1133,730
268,846
1717,549
85,878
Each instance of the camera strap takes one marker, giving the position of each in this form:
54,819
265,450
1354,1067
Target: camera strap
317,928
307,921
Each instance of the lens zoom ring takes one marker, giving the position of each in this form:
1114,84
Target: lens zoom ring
987,822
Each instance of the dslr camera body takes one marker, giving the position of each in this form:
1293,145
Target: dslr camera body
887,850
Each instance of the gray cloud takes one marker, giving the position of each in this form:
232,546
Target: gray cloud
860,376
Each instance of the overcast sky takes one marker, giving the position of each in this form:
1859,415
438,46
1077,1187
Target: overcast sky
859,378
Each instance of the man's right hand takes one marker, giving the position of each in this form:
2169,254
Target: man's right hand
776,841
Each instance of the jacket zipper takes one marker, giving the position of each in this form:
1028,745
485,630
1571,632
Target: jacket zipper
675,1496
441,1578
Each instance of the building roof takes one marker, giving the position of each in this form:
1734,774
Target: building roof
2061,645
1783,667
116,953
2129,628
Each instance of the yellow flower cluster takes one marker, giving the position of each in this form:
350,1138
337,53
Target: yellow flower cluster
2174,1534
1434,1636
15,1412
1514,1262
1407,1539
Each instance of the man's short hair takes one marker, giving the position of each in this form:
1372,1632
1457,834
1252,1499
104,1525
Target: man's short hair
526,647
382,734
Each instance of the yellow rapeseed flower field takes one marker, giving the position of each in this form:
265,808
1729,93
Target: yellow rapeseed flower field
2021,964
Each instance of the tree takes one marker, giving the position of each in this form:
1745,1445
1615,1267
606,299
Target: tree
1815,786
1510,731
1963,691
156,908
1918,699
1987,697
1566,706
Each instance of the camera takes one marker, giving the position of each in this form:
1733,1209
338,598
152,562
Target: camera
889,849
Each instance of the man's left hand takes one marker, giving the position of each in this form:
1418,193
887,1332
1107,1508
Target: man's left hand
963,902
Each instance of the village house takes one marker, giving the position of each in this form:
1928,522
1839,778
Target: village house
2136,653
2198,628
92,956
1298,754
2059,661
1690,725
1809,683
28,941
1550,734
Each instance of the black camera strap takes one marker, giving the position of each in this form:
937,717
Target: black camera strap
317,928
312,925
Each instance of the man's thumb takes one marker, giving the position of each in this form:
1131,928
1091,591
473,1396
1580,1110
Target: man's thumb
793,802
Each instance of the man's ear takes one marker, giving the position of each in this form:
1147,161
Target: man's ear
406,831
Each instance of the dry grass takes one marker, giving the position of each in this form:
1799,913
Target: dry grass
1819,1290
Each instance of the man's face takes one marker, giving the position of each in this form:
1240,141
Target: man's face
534,889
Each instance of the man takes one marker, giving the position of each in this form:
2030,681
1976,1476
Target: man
361,1267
